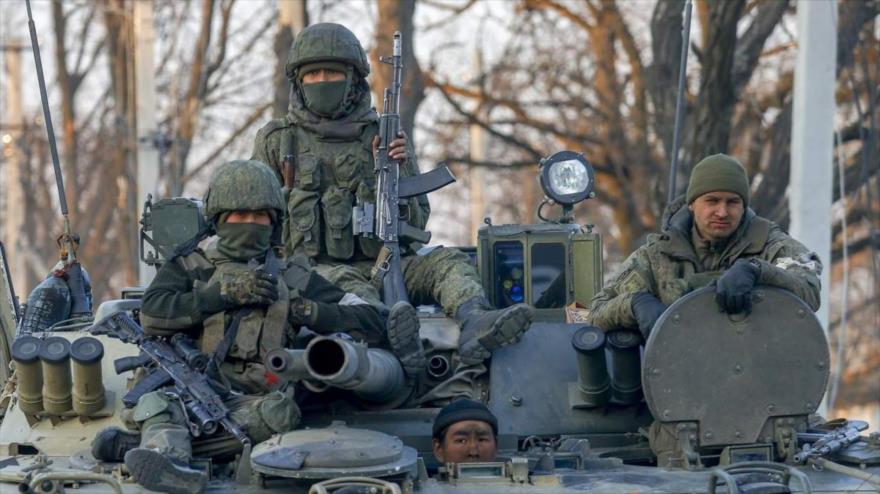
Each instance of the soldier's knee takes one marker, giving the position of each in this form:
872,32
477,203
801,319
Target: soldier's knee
156,408
268,415
341,273
447,255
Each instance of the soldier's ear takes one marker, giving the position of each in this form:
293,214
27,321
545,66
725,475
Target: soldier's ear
437,448
691,207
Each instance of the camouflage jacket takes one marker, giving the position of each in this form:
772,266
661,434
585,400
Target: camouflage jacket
172,304
330,175
674,262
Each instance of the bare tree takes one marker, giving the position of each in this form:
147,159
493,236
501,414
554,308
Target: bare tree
397,15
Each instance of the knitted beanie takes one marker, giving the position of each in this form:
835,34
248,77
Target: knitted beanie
461,410
718,172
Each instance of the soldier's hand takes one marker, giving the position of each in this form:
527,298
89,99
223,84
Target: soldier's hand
647,309
397,149
248,288
733,290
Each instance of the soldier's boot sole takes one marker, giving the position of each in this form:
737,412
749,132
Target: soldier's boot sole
404,339
111,444
507,329
156,472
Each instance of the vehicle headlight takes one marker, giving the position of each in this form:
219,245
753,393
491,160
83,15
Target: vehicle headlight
567,177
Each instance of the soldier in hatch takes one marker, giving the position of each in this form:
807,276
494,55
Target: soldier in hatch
199,292
716,238
465,431
330,133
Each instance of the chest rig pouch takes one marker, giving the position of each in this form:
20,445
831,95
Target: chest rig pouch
330,176
260,331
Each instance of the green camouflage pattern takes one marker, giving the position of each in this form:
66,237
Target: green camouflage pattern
166,431
444,276
333,173
674,262
326,42
243,185
237,285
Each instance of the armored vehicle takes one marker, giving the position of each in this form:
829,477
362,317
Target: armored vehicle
574,404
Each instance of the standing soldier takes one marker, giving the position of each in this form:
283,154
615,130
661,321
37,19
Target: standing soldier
239,279
329,136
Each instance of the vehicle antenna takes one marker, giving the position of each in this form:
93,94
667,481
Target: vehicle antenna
68,241
679,103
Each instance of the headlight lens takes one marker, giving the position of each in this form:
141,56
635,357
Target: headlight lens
569,177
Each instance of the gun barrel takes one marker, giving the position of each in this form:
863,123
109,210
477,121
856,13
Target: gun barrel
287,364
290,365
373,375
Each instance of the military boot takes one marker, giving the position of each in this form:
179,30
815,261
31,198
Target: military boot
157,472
111,443
403,336
484,329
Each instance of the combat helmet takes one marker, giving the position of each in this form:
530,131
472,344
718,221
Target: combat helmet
326,42
243,185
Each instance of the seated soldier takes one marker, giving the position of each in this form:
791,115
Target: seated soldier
716,239
201,292
465,431
330,133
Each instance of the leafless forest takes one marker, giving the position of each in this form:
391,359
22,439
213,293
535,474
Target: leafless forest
530,76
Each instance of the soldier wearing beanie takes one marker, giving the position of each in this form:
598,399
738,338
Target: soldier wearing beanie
465,431
717,239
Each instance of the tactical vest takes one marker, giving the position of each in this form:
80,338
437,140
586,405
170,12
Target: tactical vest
330,175
259,331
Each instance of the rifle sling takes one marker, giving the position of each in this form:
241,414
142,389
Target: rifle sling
272,267
154,380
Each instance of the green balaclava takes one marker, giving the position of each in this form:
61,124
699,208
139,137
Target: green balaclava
243,241
718,172
326,98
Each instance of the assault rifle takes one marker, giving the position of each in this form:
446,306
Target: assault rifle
178,365
382,220
819,445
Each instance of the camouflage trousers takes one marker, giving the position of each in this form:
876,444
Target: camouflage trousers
443,276
162,421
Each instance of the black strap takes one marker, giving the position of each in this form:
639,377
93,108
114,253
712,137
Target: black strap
154,380
190,245
272,266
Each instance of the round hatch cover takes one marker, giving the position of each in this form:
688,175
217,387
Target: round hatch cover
731,373
332,452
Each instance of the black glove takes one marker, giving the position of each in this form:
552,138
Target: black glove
733,291
647,309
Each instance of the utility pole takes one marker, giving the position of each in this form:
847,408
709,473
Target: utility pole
476,179
479,147
147,132
812,131
292,18
14,213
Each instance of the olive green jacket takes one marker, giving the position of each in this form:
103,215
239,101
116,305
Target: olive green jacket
673,262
